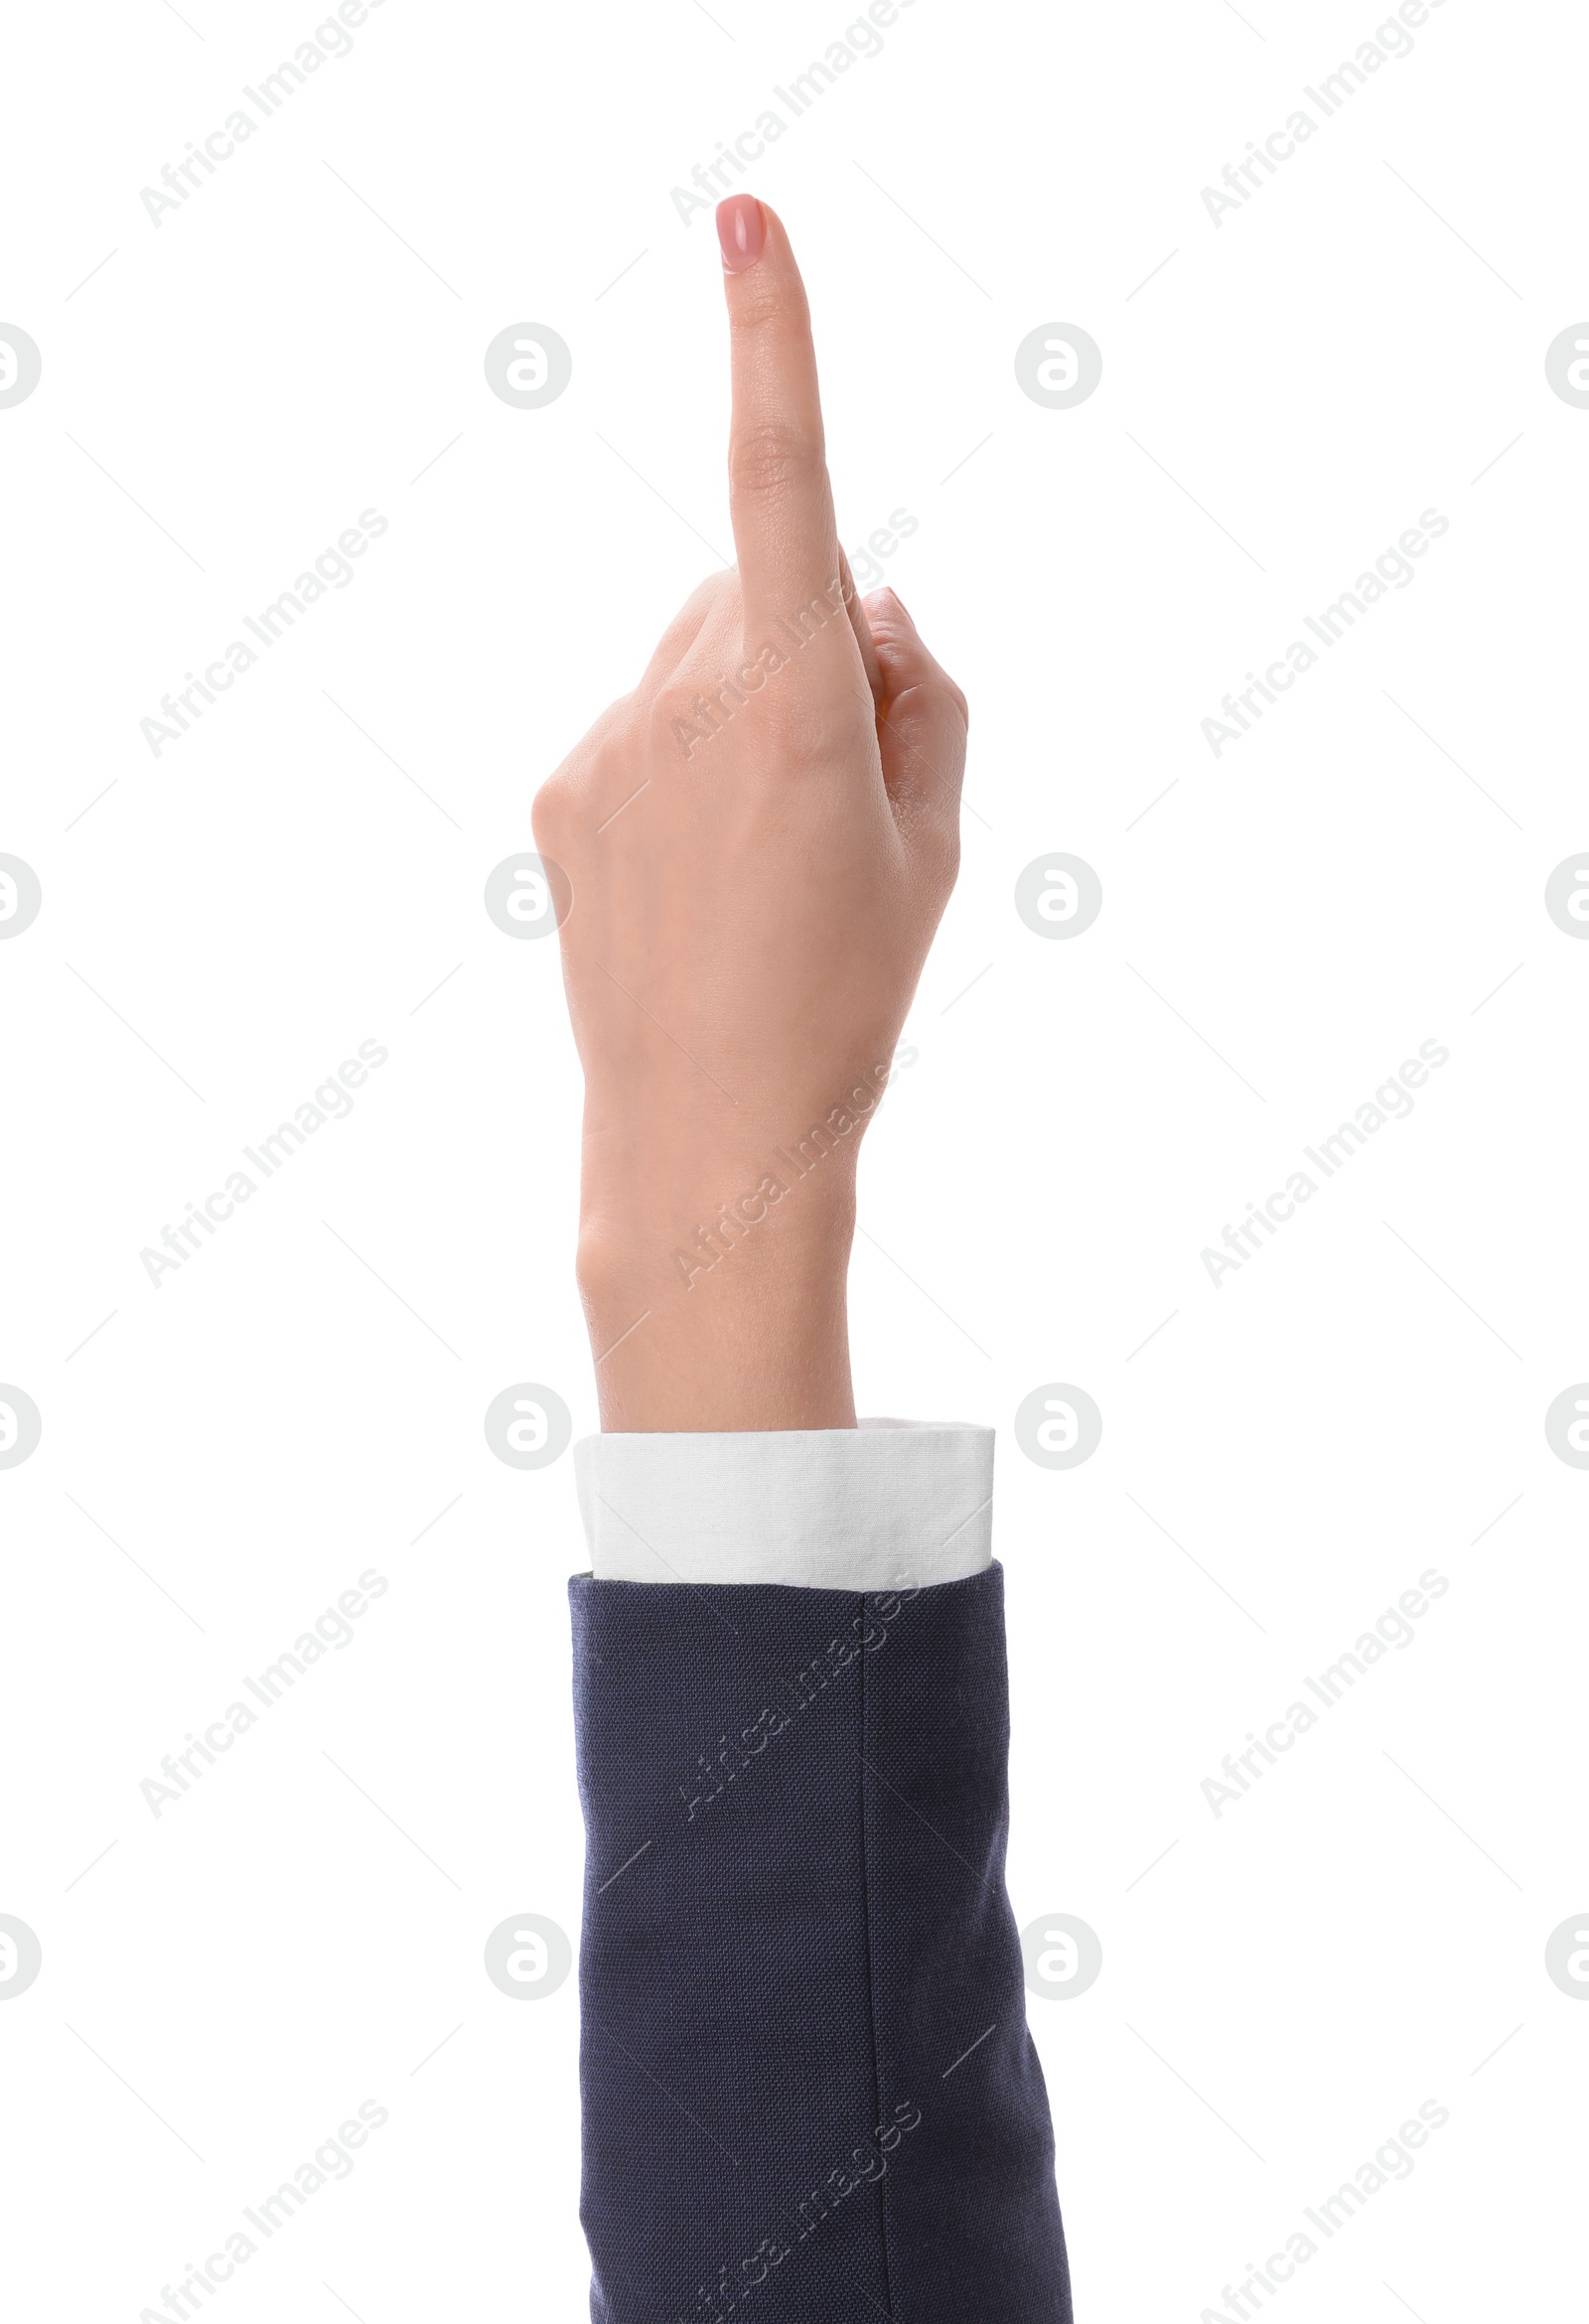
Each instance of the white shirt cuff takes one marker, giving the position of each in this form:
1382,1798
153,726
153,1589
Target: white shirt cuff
883,1506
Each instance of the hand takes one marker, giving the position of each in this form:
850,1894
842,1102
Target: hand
760,841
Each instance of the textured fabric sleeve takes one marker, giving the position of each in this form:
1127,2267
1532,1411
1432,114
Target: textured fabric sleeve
810,2093
860,1509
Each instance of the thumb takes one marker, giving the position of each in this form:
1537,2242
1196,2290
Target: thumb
922,717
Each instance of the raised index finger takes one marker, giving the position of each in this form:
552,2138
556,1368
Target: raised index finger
780,497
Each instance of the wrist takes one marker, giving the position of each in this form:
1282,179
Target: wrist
721,1315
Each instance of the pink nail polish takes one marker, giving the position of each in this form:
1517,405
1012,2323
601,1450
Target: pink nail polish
742,230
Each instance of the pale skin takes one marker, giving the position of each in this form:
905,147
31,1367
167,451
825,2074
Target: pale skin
760,840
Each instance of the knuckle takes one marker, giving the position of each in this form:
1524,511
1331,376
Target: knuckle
770,457
550,812
793,727
678,720
716,595
797,727
560,811
700,611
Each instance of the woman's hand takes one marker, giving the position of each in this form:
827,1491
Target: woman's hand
760,841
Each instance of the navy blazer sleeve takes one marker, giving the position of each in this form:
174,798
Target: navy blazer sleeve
810,2093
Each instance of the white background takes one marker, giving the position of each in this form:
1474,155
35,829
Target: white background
303,340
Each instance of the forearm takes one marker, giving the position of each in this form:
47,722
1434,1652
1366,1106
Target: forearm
805,2059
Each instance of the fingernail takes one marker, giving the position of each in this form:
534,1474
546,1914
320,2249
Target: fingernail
742,230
